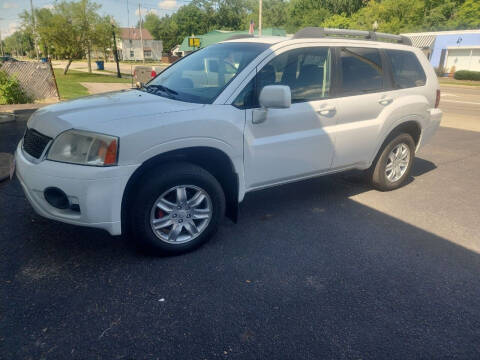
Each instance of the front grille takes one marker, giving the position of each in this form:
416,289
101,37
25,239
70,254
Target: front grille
34,143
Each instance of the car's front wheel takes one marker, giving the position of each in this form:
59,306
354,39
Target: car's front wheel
393,164
177,208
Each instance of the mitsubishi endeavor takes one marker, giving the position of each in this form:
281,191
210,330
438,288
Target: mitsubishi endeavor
165,162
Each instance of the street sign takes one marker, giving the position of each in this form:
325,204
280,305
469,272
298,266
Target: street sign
194,42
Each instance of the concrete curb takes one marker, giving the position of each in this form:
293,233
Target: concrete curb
6,117
5,161
17,109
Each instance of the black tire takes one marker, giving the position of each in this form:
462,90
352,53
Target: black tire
155,183
376,173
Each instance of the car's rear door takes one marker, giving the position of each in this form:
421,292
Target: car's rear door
364,85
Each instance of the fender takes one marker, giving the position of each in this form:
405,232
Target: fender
403,109
183,143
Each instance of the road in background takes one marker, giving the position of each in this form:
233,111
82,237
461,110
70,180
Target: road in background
461,107
111,67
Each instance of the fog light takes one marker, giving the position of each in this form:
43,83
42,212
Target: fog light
56,197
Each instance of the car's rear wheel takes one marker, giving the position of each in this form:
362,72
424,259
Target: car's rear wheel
393,164
177,208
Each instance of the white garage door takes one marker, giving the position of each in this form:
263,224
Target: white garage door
463,59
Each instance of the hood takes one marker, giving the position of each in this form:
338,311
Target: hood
88,112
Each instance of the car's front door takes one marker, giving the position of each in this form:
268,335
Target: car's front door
295,142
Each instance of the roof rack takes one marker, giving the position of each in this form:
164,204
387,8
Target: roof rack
318,32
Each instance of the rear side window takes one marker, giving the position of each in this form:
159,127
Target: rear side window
406,70
362,70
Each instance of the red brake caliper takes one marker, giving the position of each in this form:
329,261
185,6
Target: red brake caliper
159,213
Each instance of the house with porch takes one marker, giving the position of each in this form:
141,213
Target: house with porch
129,45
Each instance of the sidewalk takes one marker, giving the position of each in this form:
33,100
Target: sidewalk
8,124
20,108
5,163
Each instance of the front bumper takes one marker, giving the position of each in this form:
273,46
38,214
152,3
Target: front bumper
97,190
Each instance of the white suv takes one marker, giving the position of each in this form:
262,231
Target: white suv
164,163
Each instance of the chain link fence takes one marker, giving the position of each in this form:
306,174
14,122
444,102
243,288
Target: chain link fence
36,78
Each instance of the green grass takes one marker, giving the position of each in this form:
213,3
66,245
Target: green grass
449,81
69,85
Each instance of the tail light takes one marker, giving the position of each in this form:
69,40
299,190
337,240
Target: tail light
437,100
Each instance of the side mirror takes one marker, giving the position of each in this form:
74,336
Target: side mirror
275,97
272,97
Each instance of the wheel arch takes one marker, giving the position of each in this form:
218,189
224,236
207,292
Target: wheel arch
410,126
215,161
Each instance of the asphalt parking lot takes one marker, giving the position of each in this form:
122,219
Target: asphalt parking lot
326,268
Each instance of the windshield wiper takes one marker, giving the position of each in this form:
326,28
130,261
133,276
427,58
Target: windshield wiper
162,88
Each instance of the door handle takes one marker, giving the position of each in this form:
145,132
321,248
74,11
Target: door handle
385,101
326,110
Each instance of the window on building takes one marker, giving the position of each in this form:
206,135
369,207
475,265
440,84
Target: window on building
147,53
407,71
361,70
132,53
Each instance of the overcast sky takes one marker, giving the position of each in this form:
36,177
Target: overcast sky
9,10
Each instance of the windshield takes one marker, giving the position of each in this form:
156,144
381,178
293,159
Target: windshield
201,76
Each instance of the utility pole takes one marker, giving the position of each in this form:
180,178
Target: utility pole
115,50
260,18
34,30
1,43
141,34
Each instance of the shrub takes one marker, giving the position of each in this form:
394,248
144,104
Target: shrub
467,75
440,71
10,90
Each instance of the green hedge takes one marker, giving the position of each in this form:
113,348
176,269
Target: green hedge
467,75
10,90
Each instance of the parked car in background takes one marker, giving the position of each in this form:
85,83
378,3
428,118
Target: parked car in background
143,73
165,162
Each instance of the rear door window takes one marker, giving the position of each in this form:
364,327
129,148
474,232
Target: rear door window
406,70
362,70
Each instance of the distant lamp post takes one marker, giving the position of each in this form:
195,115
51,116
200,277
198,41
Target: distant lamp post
115,50
375,26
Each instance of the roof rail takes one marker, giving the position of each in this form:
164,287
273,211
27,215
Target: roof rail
318,32
240,36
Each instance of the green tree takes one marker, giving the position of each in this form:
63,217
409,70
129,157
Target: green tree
392,16
43,19
467,16
26,26
151,22
338,22
274,13
103,36
303,13
231,14
84,13
19,43
65,33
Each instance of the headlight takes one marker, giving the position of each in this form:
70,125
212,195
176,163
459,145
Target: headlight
84,148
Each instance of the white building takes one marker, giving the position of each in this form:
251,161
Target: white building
450,50
129,45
